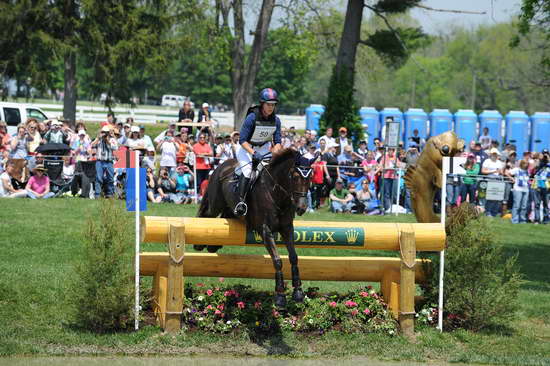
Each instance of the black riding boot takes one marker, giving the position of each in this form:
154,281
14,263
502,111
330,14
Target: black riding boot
241,208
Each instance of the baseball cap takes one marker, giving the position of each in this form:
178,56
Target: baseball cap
134,129
494,151
339,181
205,105
81,133
342,129
105,129
150,148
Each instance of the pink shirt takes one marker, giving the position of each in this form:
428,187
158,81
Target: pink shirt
39,185
390,166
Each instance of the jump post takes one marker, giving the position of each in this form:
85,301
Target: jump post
397,276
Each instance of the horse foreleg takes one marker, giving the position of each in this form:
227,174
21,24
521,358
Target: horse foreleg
288,237
269,242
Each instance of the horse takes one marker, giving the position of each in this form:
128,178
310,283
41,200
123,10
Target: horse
279,192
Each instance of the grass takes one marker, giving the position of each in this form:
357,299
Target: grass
41,240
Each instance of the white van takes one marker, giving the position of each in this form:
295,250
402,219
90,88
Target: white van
15,113
172,100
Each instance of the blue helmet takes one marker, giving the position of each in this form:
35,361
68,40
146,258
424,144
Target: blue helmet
268,95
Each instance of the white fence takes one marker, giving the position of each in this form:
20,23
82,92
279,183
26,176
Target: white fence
142,115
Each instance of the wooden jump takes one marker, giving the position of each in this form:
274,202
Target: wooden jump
397,276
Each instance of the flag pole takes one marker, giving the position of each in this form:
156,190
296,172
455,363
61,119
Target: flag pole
137,212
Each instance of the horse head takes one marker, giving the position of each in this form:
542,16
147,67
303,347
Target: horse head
301,179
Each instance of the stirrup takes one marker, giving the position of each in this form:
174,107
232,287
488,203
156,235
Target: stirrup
240,206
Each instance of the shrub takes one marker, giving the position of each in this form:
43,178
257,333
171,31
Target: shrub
102,292
481,284
223,309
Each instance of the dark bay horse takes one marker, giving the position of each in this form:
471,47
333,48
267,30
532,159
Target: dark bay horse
279,192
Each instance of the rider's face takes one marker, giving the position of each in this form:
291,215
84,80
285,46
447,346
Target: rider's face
268,108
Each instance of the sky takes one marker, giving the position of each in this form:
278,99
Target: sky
497,11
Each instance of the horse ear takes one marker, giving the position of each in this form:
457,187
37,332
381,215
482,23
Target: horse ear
311,161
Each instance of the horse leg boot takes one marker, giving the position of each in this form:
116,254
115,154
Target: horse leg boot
298,293
241,208
269,241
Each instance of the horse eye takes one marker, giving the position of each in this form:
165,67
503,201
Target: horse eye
446,150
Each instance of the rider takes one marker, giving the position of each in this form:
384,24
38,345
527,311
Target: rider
260,128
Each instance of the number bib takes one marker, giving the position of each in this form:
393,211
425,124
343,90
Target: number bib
262,134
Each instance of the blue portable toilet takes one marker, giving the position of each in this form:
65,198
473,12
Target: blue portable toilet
540,131
441,120
390,112
517,131
313,115
371,124
493,121
415,119
466,125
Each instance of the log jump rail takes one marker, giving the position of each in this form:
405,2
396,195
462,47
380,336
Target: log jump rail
397,276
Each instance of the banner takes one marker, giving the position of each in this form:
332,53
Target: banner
318,236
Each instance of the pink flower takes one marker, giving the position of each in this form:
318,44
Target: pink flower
366,311
275,313
221,306
227,293
364,294
354,312
240,305
209,292
217,312
350,304
332,304
200,284
221,279
209,307
257,305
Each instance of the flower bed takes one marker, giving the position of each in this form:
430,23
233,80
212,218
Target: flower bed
223,309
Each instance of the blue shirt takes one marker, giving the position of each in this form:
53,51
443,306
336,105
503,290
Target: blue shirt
247,129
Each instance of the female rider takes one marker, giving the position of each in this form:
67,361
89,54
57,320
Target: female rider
260,129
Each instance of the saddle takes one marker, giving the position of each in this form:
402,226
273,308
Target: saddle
256,170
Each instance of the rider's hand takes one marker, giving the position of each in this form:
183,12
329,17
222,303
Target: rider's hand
257,157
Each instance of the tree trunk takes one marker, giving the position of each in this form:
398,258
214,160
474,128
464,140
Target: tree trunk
350,36
69,101
243,77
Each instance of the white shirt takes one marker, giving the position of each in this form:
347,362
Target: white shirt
492,166
168,158
327,139
521,182
4,177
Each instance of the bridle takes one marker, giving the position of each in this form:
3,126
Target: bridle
304,171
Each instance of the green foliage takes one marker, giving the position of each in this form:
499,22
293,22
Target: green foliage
341,108
392,6
481,284
102,291
223,309
389,47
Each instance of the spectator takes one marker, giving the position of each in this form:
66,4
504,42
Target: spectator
6,188
38,185
320,173
362,151
68,168
110,123
481,155
419,141
160,137
370,166
322,146
183,147
151,186
81,126
81,147
347,170
493,168
327,137
366,200
165,185
168,148
149,159
340,199
225,150
520,191
186,113
18,144
204,113
202,152
105,146
184,185
391,164
332,164
342,140
146,138
5,139
56,135
134,141
541,188
286,140
468,187
34,136
485,139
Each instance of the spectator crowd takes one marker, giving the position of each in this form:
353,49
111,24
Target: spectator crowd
51,158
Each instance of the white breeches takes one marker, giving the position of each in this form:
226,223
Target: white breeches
245,158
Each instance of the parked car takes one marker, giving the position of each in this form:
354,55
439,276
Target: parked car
172,100
15,113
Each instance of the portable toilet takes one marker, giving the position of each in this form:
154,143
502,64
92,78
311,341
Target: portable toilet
493,121
415,119
466,125
540,131
389,112
517,131
441,120
371,124
313,115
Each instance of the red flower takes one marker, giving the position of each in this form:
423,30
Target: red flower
364,294
275,313
350,304
257,305
221,306
240,305
217,312
332,304
354,312
209,292
366,311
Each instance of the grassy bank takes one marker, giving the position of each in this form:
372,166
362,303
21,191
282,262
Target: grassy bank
41,240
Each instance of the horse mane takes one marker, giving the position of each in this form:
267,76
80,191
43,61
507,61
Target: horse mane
282,157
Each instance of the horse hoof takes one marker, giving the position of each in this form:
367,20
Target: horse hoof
280,301
298,295
213,248
199,248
